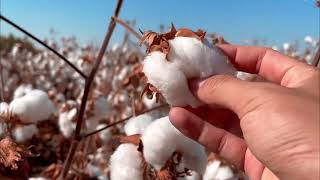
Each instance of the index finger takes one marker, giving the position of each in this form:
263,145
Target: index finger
266,62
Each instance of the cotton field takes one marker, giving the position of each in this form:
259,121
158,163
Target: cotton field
125,133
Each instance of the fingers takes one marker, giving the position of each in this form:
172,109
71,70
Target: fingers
226,91
266,62
229,146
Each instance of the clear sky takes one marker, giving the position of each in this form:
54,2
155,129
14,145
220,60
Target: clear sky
277,21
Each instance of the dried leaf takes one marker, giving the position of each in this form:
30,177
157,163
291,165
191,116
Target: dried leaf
133,139
11,154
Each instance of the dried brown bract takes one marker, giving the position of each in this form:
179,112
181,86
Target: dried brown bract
13,158
150,90
159,42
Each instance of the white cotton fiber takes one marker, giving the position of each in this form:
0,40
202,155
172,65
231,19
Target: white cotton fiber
24,133
22,90
188,58
136,125
216,171
38,178
104,135
126,163
66,126
33,107
161,140
3,108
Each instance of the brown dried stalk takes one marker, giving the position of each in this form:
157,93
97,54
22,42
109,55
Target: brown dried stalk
43,44
316,58
121,121
127,27
77,136
1,84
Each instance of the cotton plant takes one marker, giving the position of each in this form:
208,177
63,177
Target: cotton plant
138,124
126,163
161,140
33,107
177,56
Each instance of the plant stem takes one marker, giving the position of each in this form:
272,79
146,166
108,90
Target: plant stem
120,121
77,137
127,27
43,44
1,83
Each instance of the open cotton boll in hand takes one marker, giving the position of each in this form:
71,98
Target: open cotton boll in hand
126,163
177,56
161,139
32,107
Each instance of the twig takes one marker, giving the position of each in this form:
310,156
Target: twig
127,27
1,83
77,137
43,44
316,58
121,121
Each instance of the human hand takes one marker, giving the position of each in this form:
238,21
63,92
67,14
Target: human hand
279,119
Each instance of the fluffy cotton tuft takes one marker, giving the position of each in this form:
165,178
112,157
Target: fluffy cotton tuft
216,171
66,126
126,163
3,108
188,58
22,90
33,107
137,125
161,139
24,133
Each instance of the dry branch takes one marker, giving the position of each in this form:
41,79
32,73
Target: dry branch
43,44
89,80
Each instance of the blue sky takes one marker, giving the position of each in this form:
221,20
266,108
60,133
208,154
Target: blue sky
277,21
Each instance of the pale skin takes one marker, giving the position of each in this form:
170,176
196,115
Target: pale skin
268,129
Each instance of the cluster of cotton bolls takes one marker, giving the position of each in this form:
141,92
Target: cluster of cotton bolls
42,98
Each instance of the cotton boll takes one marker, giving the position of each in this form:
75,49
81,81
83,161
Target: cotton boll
3,108
22,90
169,80
24,133
126,163
104,135
137,125
188,58
33,107
66,126
161,140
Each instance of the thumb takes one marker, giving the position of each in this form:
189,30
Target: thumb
226,91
